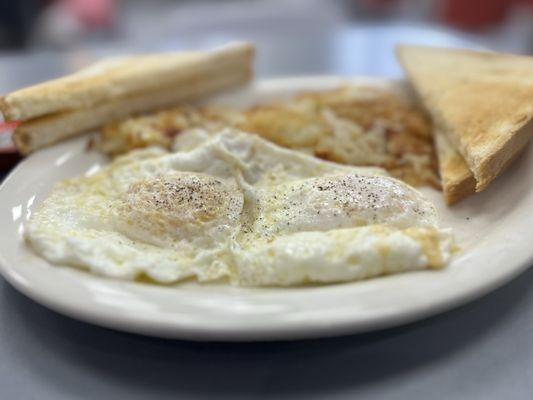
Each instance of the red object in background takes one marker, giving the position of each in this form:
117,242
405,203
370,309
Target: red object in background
478,14
474,14
466,14
8,126
92,13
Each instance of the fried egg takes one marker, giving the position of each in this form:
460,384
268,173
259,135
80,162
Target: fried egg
236,208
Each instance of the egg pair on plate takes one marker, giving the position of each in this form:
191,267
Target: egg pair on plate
236,208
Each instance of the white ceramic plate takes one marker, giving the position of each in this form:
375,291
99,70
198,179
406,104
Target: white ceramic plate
493,228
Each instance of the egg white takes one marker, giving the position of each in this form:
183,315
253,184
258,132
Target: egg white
237,208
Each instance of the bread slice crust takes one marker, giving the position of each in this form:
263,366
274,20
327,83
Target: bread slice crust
120,77
115,89
482,101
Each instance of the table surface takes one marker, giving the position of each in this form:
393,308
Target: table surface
483,350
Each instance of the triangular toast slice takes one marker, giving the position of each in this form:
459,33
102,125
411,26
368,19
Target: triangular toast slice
457,180
481,101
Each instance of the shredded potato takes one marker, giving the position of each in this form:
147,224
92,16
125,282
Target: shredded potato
349,125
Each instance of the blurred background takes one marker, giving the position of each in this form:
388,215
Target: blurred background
304,36
66,24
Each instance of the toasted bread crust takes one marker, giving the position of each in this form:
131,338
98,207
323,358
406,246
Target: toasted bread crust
114,78
49,129
496,162
4,109
482,101
457,180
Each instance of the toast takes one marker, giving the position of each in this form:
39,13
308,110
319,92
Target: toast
481,101
112,89
49,129
457,180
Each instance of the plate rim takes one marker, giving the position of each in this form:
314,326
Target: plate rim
312,329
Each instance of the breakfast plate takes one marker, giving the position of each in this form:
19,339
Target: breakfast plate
492,230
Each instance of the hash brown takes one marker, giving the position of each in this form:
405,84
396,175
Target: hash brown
364,126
